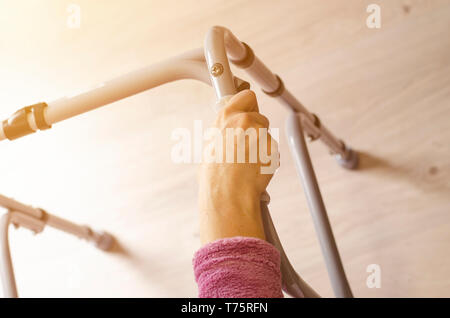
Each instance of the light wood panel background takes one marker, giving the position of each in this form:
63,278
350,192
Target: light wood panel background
385,91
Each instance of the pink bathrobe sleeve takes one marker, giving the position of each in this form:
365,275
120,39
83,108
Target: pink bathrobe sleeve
238,267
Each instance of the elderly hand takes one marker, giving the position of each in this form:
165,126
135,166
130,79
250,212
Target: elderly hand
234,175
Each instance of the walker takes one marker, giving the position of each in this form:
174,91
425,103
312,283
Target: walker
210,66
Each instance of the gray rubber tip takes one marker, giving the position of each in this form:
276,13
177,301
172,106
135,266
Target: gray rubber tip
351,162
105,242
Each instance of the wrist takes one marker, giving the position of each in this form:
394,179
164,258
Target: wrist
236,216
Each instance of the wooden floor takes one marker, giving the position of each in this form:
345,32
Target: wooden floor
384,91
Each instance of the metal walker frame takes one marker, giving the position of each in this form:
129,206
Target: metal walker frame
221,47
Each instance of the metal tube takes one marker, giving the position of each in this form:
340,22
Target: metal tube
217,59
189,65
297,144
6,266
35,219
125,86
13,205
311,127
262,75
293,284
81,231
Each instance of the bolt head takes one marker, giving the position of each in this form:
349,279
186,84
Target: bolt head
217,69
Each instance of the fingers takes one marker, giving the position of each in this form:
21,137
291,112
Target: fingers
259,119
247,120
242,111
244,101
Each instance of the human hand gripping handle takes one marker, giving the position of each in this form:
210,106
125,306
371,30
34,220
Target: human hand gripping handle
230,191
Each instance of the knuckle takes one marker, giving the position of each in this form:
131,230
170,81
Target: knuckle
245,120
226,112
251,94
264,120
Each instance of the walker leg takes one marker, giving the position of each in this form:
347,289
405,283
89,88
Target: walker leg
299,150
6,266
351,161
35,220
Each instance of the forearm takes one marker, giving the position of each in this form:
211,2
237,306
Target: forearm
236,260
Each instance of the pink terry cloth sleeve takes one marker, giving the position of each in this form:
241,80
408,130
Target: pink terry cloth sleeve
238,267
